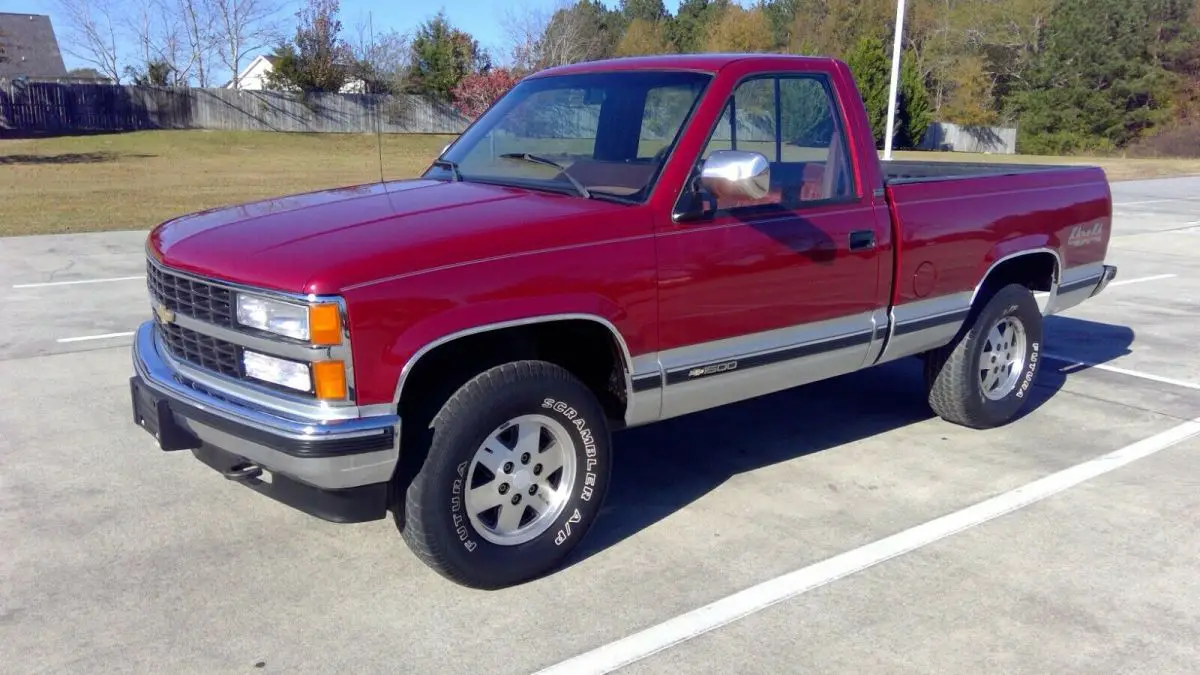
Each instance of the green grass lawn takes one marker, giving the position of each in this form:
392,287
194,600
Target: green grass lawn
137,180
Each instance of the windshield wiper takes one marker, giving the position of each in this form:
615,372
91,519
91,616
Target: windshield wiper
549,162
452,165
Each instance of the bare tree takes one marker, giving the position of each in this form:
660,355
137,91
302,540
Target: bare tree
197,22
525,28
381,58
571,33
245,26
157,30
91,33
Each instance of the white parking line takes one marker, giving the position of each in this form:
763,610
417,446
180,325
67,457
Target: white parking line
1139,280
756,598
80,281
1147,201
1124,371
85,338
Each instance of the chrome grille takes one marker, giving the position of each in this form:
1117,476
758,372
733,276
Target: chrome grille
197,299
202,351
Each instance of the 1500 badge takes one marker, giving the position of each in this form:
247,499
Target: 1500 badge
713,369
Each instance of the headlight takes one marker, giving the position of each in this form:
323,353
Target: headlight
281,318
319,324
290,374
326,379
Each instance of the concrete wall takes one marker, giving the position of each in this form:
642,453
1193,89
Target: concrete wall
948,136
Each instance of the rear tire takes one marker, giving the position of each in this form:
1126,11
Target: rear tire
983,377
518,465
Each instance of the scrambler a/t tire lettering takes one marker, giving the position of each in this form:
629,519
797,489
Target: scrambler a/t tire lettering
517,469
985,375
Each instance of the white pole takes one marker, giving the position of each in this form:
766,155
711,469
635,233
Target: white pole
891,119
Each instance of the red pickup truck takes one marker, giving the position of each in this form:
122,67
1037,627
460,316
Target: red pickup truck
612,244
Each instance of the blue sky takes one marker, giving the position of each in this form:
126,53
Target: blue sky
482,18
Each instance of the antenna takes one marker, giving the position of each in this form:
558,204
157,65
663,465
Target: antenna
375,94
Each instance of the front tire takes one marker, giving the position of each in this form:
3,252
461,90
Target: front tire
518,465
982,378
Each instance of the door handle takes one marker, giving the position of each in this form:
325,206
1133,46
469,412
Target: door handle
861,240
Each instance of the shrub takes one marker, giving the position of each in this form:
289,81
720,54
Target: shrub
477,91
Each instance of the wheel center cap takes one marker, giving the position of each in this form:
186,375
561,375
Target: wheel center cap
522,479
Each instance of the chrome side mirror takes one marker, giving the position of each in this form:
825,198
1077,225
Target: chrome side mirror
736,175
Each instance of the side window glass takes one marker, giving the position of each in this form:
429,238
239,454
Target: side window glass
813,164
748,123
801,138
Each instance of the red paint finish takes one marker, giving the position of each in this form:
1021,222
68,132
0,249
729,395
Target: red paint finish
962,226
422,259
739,273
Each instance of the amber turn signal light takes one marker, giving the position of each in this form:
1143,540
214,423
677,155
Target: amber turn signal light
325,324
329,380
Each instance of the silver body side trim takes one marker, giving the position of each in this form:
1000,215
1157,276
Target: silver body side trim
708,375
1075,286
925,324
764,342
645,404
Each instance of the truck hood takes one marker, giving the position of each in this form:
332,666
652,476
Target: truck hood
322,242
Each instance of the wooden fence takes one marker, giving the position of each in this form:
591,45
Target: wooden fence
52,107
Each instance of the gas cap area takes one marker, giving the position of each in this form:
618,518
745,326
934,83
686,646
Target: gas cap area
924,279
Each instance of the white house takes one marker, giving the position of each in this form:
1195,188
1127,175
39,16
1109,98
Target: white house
254,76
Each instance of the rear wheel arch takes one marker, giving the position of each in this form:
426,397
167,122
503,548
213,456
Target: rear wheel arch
1037,269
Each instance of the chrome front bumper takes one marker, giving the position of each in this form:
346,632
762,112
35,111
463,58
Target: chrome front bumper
324,454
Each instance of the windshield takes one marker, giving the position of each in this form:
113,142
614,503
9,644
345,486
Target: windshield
598,135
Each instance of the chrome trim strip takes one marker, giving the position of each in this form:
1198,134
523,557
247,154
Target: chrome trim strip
925,324
745,346
930,322
250,394
1058,268
783,369
926,308
882,324
743,362
1078,273
626,365
1075,286
287,350
1110,273
1086,282
159,375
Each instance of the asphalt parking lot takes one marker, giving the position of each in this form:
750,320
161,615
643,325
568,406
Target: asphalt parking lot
116,557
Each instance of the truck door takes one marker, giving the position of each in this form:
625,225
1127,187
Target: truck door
755,297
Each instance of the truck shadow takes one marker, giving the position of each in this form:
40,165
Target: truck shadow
662,468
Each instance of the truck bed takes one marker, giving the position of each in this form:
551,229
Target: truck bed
909,171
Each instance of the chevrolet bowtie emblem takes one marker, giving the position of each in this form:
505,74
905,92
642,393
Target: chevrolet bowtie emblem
165,314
